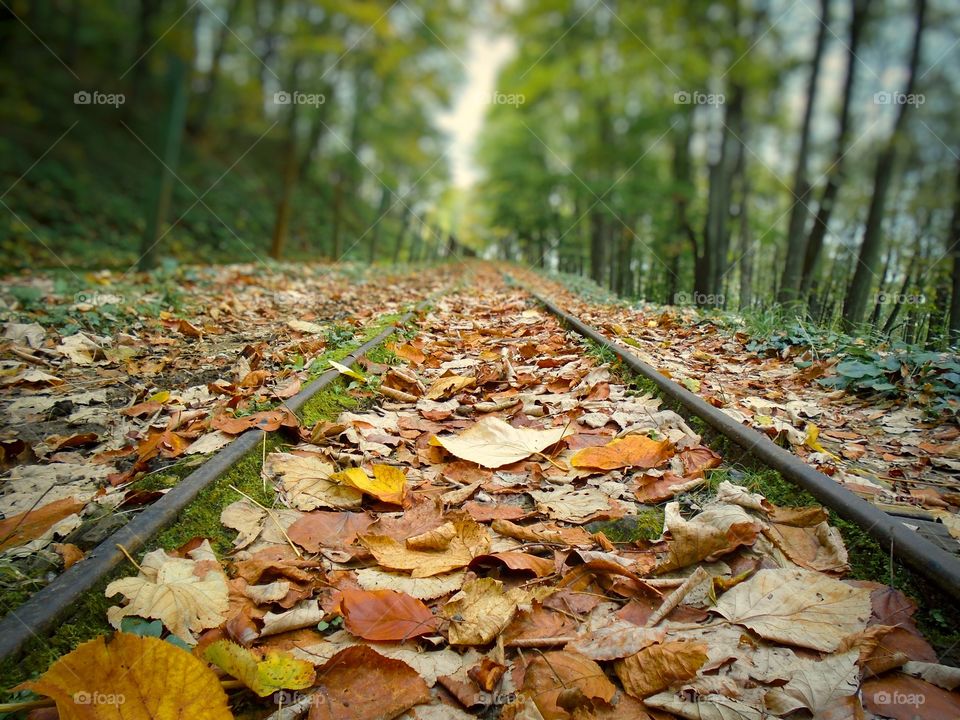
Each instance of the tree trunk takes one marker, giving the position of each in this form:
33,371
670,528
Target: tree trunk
288,182
796,236
159,202
828,197
953,250
375,232
858,293
213,77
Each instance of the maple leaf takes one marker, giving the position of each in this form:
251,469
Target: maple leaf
388,484
183,594
132,677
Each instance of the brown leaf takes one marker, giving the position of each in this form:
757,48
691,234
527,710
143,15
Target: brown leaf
359,683
515,561
385,615
631,451
20,529
659,666
320,528
550,674
907,698
470,540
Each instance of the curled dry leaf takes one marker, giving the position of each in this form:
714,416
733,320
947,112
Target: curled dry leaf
550,674
244,517
263,672
445,387
544,532
358,683
421,588
816,685
147,678
32,524
320,528
471,539
515,561
493,443
797,607
481,610
385,615
617,640
187,596
631,451
718,530
659,666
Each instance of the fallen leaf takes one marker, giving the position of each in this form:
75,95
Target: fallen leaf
816,685
349,372
360,684
244,517
906,698
320,528
385,615
263,672
187,596
132,677
659,666
617,640
471,539
631,451
306,482
493,443
388,484
444,387
550,674
797,607
32,524
480,611
421,588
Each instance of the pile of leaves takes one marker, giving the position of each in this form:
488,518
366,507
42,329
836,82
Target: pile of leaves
879,447
431,558
87,415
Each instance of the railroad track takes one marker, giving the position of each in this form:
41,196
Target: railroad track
925,552
41,612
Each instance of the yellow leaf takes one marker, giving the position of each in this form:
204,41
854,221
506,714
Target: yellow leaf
388,483
630,451
812,441
446,386
349,372
129,676
470,540
160,397
264,673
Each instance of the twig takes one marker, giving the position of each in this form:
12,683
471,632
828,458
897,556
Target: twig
541,642
273,516
130,557
677,596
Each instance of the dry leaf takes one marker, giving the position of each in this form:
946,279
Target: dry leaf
244,517
32,524
320,528
631,451
360,684
659,666
306,482
133,677
798,607
816,685
480,611
263,672
388,484
712,706
385,615
445,387
420,588
187,596
471,540
615,641
493,443
550,674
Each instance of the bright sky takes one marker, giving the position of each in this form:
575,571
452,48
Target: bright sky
485,55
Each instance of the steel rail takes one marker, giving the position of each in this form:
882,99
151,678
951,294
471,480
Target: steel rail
38,614
928,560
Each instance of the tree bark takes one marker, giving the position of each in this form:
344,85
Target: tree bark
953,250
858,293
796,237
213,77
828,197
288,182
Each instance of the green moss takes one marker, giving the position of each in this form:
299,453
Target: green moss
645,525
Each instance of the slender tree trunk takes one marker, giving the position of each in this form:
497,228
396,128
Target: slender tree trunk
828,197
375,233
288,181
796,237
746,250
858,293
953,251
159,203
213,77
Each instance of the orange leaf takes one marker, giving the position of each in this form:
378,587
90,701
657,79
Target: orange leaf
386,615
553,673
660,666
516,561
320,528
361,684
132,677
29,525
631,451
409,352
